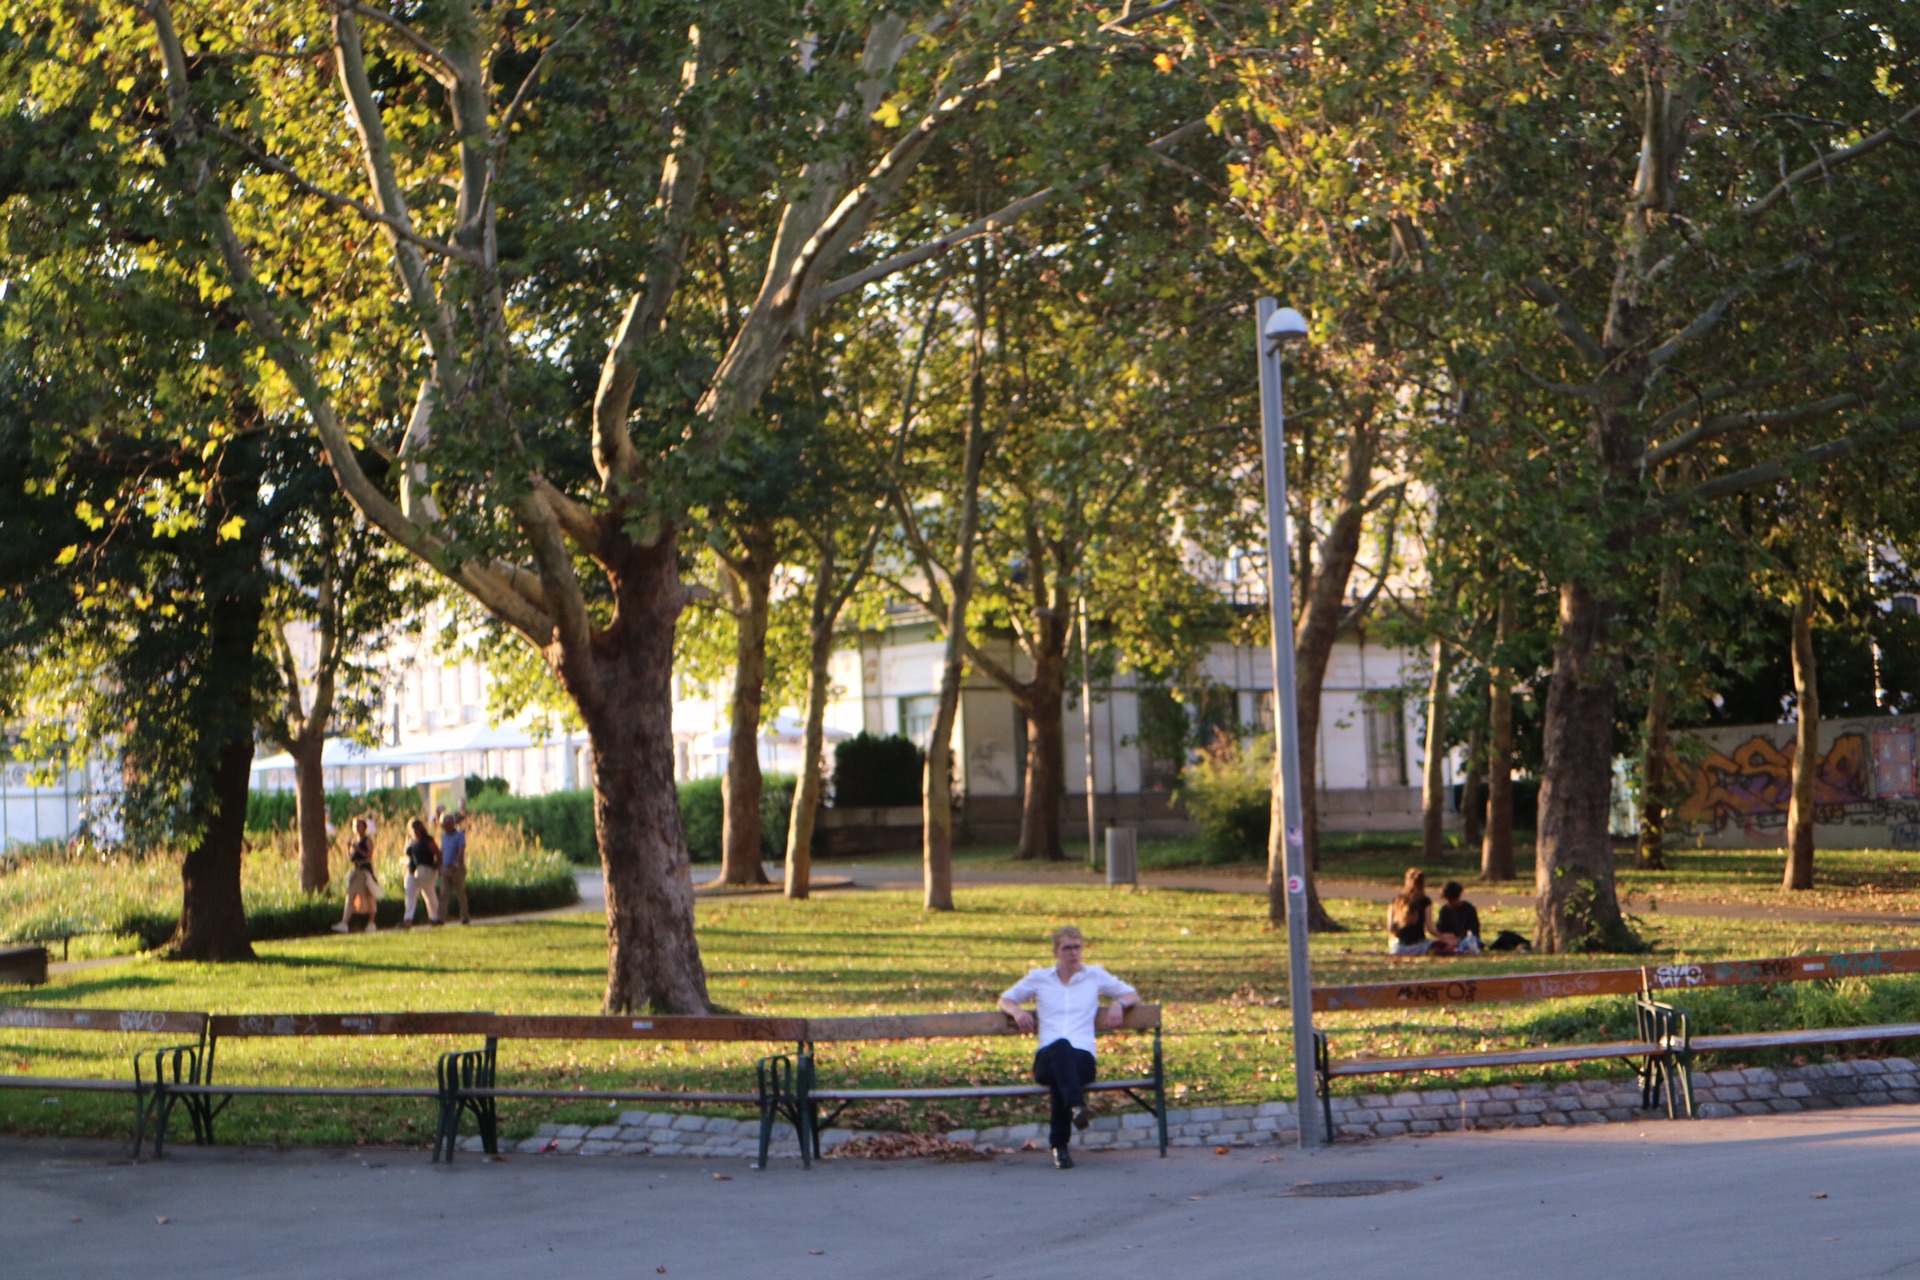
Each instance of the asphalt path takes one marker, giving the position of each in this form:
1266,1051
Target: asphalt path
1820,1194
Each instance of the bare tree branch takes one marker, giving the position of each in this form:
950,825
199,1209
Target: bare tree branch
502,132
438,64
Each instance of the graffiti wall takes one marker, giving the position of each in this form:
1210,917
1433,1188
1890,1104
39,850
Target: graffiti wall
1737,782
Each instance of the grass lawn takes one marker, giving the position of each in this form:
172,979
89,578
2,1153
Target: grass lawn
1204,955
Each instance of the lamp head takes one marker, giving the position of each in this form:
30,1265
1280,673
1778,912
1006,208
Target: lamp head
1286,325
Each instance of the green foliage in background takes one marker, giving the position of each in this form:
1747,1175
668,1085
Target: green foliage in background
563,820
1229,793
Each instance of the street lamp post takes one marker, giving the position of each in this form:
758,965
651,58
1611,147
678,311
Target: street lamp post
1274,326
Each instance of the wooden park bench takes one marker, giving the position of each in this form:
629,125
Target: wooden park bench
1651,1051
469,1079
168,1064
1685,1047
204,1099
814,1107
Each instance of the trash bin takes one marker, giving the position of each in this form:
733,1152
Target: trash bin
1123,856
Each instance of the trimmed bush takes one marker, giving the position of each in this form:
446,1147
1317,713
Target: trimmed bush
1229,793
701,812
875,772
271,811
560,820
563,820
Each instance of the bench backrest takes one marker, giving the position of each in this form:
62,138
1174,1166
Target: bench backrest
295,1025
664,1027
1462,988
937,1026
42,1018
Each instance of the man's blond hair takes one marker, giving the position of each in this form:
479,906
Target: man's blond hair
1068,931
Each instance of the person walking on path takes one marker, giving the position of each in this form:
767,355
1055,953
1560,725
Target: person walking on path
363,891
453,865
1066,1005
423,866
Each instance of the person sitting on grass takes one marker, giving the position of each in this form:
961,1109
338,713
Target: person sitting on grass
1458,923
363,891
1066,1003
1407,920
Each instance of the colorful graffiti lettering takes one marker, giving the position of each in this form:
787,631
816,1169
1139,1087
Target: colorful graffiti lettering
1754,781
1860,966
1677,975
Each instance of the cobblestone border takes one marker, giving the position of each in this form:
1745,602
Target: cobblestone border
1717,1094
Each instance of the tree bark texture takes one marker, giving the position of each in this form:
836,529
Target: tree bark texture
213,915
1576,905
1041,807
1496,843
741,854
1806,750
1433,782
1473,791
1323,605
1653,775
624,689
809,786
310,810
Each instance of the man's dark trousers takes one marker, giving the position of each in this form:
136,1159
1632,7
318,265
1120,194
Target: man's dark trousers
1066,1071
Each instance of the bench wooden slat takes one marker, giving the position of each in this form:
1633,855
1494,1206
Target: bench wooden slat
1537,1056
1458,985
45,1018
299,1091
1807,1036
665,1027
965,1091
64,1083
253,1025
935,1026
610,1095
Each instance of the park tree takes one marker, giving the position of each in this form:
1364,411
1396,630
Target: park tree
556,196
1623,199
350,592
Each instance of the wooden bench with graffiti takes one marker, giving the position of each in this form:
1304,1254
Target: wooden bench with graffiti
1649,1051
1665,1048
1687,1047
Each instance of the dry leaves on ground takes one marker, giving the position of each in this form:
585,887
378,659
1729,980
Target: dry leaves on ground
907,1146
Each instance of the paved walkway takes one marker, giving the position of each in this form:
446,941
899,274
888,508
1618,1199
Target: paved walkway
1825,1194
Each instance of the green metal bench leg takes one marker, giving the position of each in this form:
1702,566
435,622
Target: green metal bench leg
1160,1092
1322,1084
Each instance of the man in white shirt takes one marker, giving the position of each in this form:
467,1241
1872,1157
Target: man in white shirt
1066,1000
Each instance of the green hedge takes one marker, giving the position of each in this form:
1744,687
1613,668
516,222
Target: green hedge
870,771
563,820
274,810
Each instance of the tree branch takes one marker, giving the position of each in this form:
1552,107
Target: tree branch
1781,468
1003,216
396,226
502,132
440,65
1871,142
1539,292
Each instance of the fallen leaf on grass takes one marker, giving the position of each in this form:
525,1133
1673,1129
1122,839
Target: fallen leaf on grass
1219,1151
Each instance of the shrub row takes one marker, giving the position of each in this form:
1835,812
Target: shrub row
563,820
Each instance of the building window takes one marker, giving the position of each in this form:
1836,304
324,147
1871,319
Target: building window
1386,740
916,717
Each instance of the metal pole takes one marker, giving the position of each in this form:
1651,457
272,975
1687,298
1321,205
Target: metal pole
1286,724
1086,727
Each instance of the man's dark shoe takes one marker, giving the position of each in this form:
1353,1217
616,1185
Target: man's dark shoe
1082,1118
1061,1160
